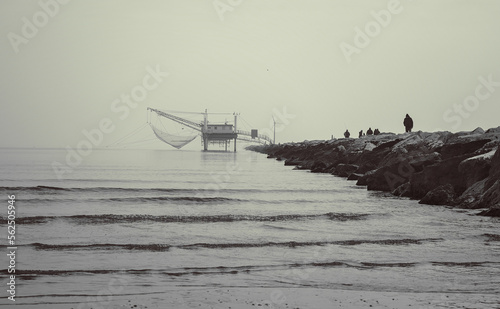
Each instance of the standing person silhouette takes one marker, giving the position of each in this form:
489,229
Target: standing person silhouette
347,134
408,123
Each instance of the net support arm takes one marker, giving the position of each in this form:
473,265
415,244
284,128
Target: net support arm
185,122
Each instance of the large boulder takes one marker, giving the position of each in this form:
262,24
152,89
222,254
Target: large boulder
493,131
461,147
319,167
389,177
344,170
494,211
435,175
476,168
403,190
363,179
491,196
292,161
454,169
417,150
354,176
369,147
305,165
372,159
416,144
495,164
442,195
471,197
484,193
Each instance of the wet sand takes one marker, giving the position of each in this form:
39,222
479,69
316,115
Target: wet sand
293,298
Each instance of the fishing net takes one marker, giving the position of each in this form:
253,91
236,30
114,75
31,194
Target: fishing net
177,141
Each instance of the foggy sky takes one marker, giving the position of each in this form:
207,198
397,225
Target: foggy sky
265,55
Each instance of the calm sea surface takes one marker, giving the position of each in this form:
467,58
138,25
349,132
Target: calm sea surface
147,221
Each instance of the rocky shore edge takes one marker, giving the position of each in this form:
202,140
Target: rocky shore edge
441,168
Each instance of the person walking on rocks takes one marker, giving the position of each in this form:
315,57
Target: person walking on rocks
369,132
408,123
361,133
347,134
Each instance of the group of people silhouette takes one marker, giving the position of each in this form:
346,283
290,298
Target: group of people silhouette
347,134
407,122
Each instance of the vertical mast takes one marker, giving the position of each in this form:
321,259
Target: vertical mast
274,129
204,131
235,122
205,120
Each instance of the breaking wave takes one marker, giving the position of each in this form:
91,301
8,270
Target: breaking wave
134,190
226,270
166,247
111,219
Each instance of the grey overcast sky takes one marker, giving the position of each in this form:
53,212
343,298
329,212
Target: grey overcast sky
330,63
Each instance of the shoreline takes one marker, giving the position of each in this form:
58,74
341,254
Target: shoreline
440,168
271,297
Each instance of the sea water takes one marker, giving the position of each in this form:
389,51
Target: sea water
130,222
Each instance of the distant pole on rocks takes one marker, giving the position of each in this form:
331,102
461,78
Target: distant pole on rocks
274,129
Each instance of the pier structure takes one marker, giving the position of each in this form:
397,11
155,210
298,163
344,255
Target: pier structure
221,133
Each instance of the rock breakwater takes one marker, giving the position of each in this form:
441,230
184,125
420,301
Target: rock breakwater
440,168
